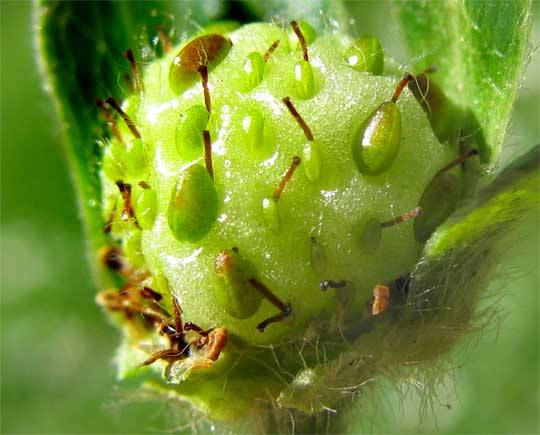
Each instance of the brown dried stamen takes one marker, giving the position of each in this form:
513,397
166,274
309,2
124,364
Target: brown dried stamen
203,70
271,50
459,159
328,283
208,153
401,85
130,124
307,131
301,38
111,257
150,294
190,326
110,120
134,70
125,191
404,217
286,178
285,308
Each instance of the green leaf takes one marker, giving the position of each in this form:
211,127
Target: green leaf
459,259
81,45
479,49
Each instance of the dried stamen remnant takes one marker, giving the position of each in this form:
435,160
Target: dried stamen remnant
134,70
286,178
178,347
381,299
285,308
269,204
110,120
307,131
148,293
205,51
270,50
377,141
112,258
328,283
403,218
208,153
301,39
306,32
213,341
459,159
368,231
203,70
129,122
127,210
193,206
190,326
311,150
366,55
131,303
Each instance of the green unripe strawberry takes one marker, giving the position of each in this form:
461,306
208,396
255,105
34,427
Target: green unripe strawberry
224,179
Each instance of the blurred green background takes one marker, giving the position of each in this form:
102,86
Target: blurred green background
57,374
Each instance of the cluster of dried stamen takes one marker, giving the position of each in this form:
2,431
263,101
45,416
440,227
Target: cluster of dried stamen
142,305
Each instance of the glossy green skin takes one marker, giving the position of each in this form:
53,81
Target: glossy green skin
377,141
234,293
193,206
366,55
438,202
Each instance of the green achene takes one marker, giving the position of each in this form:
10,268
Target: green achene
234,293
193,206
366,55
205,51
